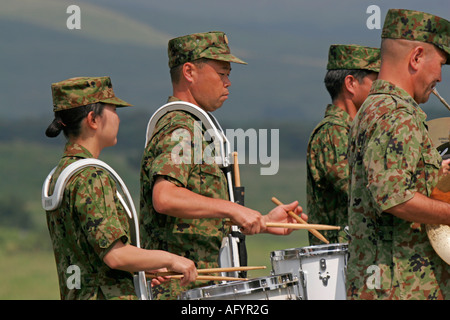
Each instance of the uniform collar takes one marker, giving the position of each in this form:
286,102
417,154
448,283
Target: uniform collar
76,150
386,87
173,99
336,112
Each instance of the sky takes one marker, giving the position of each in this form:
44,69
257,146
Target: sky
285,43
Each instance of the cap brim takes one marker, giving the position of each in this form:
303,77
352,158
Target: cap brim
236,59
117,102
224,57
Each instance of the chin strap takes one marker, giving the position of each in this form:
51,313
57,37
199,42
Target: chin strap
233,252
52,202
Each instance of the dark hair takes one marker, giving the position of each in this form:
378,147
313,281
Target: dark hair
175,72
69,121
334,79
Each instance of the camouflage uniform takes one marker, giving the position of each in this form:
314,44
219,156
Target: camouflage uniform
391,157
327,166
327,174
91,218
195,239
85,227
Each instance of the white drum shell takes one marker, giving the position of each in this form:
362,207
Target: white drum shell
321,270
276,287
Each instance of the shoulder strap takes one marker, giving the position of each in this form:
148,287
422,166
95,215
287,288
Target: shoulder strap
211,124
54,201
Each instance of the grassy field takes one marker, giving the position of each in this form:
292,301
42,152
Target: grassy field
28,276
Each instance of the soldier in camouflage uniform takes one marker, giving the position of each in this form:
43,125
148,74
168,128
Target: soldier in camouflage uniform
183,204
90,230
351,71
394,168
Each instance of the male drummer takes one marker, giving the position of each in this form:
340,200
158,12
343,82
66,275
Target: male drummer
183,206
351,71
394,168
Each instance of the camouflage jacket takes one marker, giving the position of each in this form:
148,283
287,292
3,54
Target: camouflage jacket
83,229
327,174
195,239
391,157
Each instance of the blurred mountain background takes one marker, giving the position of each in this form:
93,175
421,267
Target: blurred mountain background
285,43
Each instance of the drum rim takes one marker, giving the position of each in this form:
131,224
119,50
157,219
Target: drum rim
294,253
205,292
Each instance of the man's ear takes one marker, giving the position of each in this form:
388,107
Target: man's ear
350,83
417,55
189,71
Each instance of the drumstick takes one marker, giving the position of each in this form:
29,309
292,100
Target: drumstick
301,226
211,270
200,278
210,278
436,93
237,176
300,220
297,226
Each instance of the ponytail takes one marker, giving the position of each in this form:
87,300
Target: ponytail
69,120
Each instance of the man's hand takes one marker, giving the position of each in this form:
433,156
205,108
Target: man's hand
280,214
445,168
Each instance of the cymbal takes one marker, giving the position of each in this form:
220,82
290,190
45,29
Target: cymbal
439,235
439,130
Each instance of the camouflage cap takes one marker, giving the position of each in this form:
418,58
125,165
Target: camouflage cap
81,91
211,45
417,26
353,56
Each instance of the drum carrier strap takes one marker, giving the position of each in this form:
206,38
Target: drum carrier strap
233,252
52,202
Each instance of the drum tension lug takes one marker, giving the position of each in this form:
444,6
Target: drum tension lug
324,276
323,264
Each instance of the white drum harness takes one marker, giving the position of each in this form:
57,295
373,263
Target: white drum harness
52,202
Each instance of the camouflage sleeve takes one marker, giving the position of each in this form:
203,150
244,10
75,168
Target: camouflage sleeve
328,153
175,155
391,159
101,216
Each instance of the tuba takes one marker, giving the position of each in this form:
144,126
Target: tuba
439,235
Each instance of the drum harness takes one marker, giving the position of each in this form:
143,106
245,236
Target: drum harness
52,202
233,251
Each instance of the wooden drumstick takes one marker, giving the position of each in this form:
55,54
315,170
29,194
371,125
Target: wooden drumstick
210,270
210,278
237,176
300,220
298,226
436,93
200,277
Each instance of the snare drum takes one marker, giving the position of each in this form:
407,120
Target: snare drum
321,270
276,287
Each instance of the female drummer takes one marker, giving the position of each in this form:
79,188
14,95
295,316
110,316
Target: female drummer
90,230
